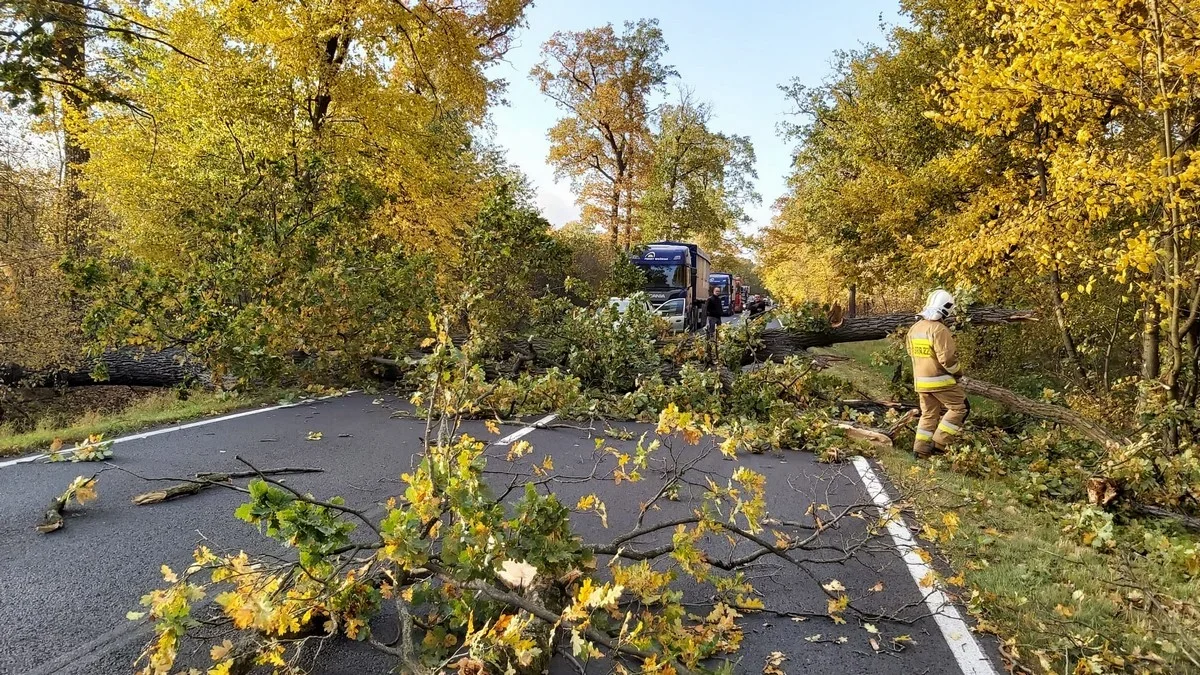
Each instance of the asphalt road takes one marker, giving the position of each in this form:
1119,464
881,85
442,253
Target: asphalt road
64,596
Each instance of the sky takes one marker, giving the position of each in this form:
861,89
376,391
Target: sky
733,54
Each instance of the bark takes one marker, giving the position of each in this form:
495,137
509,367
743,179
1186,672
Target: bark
132,367
1188,522
778,342
1150,341
1060,317
1054,413
70,45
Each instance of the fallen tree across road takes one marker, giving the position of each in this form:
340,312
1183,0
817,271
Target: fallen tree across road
776,343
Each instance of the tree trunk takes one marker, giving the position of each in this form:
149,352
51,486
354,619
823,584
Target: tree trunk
779,342
614,226
132,367
70,45
1150,341
1060,317
1054,413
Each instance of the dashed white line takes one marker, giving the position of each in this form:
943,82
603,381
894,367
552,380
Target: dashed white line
181,427
516,435
970,656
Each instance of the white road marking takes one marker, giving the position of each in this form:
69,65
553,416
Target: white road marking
514,436
181,427
970,656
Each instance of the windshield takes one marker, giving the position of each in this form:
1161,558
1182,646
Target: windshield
669,276
671,307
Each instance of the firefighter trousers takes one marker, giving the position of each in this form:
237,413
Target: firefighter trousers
942,415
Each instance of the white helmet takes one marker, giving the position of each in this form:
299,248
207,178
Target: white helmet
938,306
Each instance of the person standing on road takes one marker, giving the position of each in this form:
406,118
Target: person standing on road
713,308
936,371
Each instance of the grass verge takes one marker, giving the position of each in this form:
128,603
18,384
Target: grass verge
157,408
1067,587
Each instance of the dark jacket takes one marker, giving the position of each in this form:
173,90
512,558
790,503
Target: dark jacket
713,307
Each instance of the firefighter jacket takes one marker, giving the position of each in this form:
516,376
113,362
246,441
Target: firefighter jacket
934,356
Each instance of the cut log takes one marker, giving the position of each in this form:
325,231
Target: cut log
129,366
777,343
1054,413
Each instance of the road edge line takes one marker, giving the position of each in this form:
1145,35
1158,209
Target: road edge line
972,660
516,435
180,427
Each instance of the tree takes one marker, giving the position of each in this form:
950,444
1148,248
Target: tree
304,194
700,180
1112,113
604,81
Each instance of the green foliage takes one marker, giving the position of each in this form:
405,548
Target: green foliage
508,257
603,347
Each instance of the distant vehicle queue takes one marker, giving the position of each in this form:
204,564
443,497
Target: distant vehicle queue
679,282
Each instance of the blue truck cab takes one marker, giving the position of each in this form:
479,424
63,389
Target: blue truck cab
676,270
724,284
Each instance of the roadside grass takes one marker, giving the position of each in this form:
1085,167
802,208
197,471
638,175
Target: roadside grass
860,371
157,408
1060,605
1055,601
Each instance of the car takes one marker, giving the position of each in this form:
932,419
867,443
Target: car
672,311
622,306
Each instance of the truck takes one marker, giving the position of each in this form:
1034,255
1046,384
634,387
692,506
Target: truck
724,285
676,271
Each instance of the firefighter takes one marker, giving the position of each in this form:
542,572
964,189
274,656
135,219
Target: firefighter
935,376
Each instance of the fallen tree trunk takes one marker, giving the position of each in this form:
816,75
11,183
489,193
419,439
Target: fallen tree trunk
784,341
128,366
1054,413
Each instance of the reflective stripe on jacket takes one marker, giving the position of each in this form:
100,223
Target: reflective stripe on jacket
934,356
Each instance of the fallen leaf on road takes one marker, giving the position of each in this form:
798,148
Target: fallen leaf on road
813,638
870,628
842,640
834,586
878,587
377,401
315,435
774,660
56,445
221,651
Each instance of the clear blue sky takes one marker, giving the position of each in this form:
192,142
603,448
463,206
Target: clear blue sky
733,54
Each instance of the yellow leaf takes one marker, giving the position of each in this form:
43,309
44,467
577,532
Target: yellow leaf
168,576
221,651
492,427
56,444
928,580
834,586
